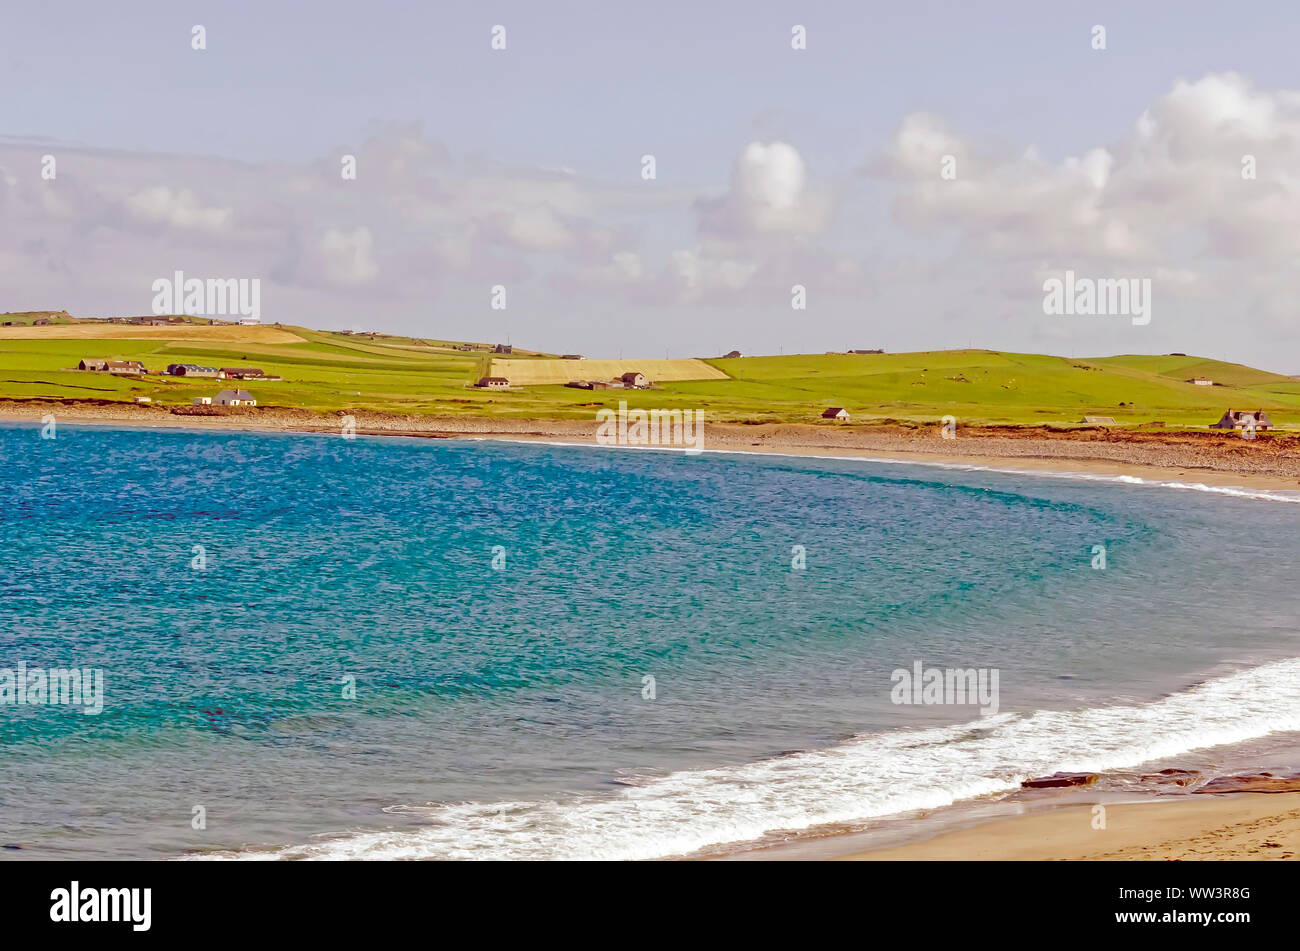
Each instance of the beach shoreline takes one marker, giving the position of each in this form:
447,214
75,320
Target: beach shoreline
1243,826
1270,463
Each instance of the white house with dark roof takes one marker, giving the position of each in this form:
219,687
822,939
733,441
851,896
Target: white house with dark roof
235,398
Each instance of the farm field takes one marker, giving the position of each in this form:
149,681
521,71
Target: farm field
330,372
534,372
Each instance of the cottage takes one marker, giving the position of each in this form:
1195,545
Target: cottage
493,383
1201,381
1241,420
836,412
93,363
235,398
634,380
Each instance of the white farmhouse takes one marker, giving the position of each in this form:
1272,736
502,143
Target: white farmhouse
235,398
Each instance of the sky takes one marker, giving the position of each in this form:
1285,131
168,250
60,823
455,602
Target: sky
912,174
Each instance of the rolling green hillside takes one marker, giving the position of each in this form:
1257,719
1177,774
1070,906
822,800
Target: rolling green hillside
330,371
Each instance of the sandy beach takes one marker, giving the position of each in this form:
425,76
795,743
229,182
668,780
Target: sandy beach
1270,462
1248,826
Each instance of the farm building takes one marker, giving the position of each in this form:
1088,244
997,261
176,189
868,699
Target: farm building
866,351
192,369
503,348
235,398
141,399
732,355
492,383
93,363
1239,420
124,366
571,356
836,412
202,401
1201,381
241,373
1100,420
634,380
42,322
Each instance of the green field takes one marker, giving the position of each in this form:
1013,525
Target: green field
327,371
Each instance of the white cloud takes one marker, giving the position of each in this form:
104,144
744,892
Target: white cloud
769,194
346,260
179,209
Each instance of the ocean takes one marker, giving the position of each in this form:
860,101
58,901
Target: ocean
318,647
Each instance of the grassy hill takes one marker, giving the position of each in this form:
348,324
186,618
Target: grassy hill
331,371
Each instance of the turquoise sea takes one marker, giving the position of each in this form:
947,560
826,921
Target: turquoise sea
379,647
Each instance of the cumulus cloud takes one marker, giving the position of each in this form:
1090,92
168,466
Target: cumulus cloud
1172,187
179,208
345,259
769,193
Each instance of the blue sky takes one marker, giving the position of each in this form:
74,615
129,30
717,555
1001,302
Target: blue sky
522,168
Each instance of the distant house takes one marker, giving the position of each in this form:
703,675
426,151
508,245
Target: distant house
866,351
241,373
732,355
192,369
836,412
1100,420
1201,381
202,401
93,363
42,322
571,356
634,380
141,399
1233,419
492,383
235,398
503,348
134,367
580,384
249,321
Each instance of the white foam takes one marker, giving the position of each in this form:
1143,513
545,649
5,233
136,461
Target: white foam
870,776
